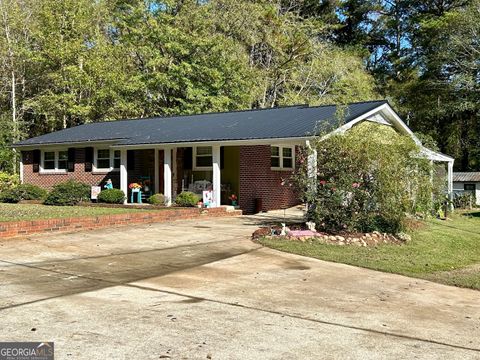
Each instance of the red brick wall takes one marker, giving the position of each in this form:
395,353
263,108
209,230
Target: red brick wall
24,228
49,180
257,180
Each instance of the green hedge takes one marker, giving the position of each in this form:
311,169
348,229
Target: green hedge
187,199
23,192
68,193
156,199
111,196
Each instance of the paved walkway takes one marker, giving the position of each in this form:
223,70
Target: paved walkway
199,290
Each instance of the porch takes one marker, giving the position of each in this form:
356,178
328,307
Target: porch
171,170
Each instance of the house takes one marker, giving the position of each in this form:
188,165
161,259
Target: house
467,182
247,153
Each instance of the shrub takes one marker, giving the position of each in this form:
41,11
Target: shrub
187,199
464,201
7,181
367,179
156,199
23,192
68,193
111,196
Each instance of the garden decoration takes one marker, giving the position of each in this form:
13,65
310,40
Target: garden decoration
135,187
233,198
108,184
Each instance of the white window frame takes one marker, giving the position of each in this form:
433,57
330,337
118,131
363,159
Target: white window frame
201,168
112,162
280,150
56,158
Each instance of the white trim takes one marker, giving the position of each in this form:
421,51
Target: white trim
280,153
56,170
194,160
20,169
167,175
124,174
216,176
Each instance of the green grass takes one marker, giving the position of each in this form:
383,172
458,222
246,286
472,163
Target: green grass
18,212
443,251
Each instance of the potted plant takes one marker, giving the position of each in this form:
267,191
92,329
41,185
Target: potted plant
233,198
135,187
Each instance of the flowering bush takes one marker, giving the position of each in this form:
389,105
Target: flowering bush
367,179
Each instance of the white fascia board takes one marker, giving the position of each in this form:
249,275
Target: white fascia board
435,156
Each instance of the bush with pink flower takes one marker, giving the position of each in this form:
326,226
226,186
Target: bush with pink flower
369,178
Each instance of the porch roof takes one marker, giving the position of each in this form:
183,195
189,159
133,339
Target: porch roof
273,123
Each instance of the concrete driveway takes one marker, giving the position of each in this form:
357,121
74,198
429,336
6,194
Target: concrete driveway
203,290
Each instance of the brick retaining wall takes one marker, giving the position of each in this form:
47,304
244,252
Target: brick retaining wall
28,227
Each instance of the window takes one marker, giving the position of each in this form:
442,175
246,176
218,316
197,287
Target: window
62,160
282,157
116,159
469,187
287,157
203,157
54,160
49,160
106,159
275,158
103,159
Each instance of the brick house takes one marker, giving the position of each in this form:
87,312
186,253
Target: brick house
247,153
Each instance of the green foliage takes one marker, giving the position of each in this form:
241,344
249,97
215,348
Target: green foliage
23,192
367,179
464,201
111,196
68,193
187,199
7,181
156,199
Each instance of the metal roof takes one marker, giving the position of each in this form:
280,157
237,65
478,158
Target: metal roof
273,123
466,176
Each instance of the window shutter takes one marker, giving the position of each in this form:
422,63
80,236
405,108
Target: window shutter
36,161
187,158
71,160
88,159
222,157
130,160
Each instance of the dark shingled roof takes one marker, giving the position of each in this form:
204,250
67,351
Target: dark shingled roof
273,123
466,176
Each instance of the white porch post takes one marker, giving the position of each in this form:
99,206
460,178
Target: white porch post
217,191
123,174
312,162
450,180
157,171
167,176
21,167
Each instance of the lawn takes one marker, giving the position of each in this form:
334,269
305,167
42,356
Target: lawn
445,251
17,212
